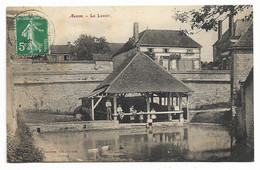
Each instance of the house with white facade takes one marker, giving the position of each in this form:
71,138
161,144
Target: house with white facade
172,49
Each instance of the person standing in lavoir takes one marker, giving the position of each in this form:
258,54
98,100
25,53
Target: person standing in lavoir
120,112
141,116
108,106
153,115
132,116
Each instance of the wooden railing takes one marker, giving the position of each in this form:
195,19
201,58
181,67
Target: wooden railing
149,120
152,113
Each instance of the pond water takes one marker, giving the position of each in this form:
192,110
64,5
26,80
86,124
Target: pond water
190,143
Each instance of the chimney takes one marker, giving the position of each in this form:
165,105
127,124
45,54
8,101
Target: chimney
231,25
219,29
69,43
135,32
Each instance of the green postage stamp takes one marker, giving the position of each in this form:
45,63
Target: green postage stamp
31,35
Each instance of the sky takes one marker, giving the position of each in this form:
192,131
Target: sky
118,26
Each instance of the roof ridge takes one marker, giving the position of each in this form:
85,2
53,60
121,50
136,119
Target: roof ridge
122,71
137,43
59,45
162,30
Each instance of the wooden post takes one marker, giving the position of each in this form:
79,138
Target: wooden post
169,106
115,106
180,102
188,113
148,107
152,98
180,108
92,109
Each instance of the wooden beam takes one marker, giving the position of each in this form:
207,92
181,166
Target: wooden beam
152,98
148,102
115,107
100,98
188,113
143,95
157,113
168,101
115,103
92,109
180,108
177,100
169,106
180,102
148,109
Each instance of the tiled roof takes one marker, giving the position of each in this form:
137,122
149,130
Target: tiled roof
59,49
114,47
161,38
139,74
169,38
240,27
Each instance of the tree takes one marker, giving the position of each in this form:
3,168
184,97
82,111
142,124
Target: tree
207,17
209,65
87,45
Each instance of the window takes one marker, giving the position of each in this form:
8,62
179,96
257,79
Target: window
173,64
166,50
196,64
165,64
66,57
189,51
160,62
150,50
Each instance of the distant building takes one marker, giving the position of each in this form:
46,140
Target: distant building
172,49
221,48
60,53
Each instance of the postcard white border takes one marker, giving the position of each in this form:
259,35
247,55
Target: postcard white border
120,166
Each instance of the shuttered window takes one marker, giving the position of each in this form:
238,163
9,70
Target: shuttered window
196,64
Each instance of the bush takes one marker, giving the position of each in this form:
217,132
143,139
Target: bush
214,106
21,146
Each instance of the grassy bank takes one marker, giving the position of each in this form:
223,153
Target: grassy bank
44,117
21,146
212,117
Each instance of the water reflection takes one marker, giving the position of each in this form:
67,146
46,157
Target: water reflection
193,143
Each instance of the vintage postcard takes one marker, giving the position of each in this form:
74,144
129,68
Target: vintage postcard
130,84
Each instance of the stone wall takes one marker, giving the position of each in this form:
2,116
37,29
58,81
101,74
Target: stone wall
57,97
73,126
203,75
210,86
208,93
57,87
242,64
249,108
